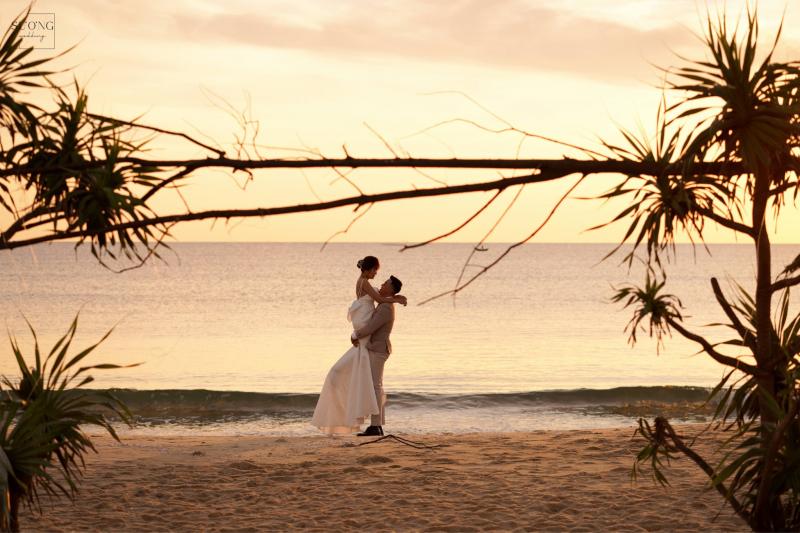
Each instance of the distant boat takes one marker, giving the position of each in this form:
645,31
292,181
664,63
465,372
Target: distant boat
481,249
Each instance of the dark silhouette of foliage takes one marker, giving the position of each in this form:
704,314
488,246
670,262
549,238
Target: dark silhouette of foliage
42,416
740,107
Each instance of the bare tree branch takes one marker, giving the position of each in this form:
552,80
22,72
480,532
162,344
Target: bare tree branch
497,222
728,223
134,124
467,262
394,153
744,333
175,177
704,466
142,260
20,223
310,187
709,349
783,188
485,269
350,225
510,128
343,175
299,208
454,230
785,283
565,165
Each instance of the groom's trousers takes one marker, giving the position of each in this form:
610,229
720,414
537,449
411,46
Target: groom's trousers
377,361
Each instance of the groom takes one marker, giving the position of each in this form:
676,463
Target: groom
379,348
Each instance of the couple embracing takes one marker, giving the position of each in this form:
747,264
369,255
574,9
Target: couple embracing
353,389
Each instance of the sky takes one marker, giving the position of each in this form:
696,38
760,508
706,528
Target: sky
329,75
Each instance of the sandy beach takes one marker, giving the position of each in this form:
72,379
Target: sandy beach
549,480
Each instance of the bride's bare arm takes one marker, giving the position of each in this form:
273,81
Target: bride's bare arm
396,299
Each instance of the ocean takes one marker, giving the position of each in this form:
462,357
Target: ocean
236,338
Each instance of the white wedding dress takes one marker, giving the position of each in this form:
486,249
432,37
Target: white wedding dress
348,398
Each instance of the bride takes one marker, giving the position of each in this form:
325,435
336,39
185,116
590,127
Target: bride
348,398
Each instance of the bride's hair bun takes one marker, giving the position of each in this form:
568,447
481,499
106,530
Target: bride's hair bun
368,263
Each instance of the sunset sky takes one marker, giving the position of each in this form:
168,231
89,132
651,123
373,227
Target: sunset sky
315,74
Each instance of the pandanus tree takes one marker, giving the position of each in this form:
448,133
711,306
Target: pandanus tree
69,160
738,107
43,414
43,411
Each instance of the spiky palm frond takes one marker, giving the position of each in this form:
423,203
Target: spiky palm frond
658,452
649,304
792,267
87,198
42,418
19,72
661,206
50,154
736,107
744,103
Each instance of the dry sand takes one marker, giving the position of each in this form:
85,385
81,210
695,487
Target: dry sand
574,480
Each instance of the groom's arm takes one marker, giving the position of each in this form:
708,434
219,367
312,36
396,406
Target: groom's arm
380,317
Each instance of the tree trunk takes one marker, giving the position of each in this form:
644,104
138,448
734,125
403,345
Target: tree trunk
763,273
767,513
